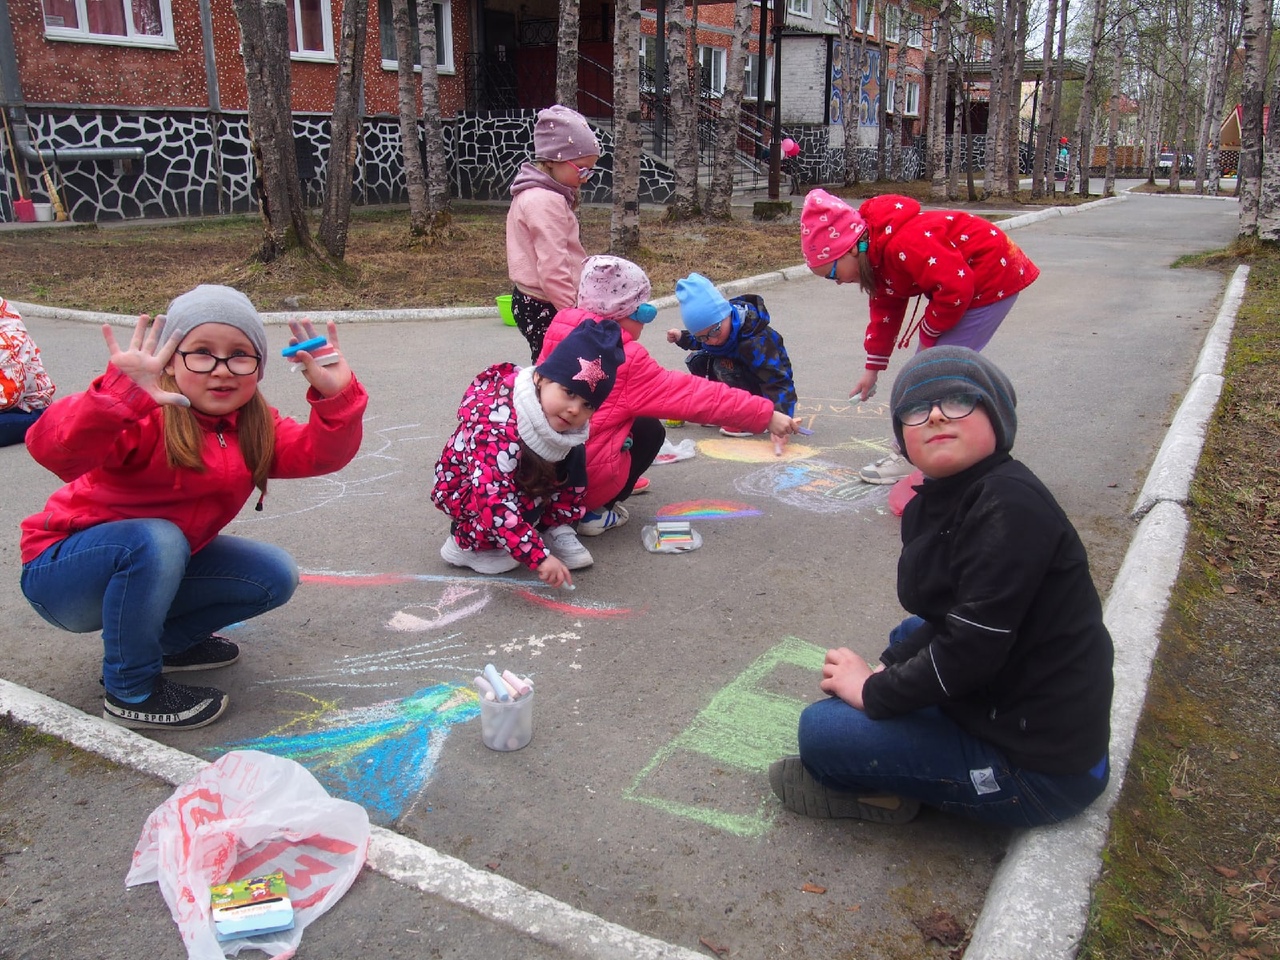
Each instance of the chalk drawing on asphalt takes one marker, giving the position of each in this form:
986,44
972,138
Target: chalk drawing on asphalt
817,486
748,724
706,510
381,756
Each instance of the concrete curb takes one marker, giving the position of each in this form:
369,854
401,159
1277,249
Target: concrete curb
1038,903
527,912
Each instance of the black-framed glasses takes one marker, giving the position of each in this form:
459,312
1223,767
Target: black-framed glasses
201,361
957,406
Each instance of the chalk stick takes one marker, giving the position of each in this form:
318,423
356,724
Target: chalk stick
495,681
515,683
307,345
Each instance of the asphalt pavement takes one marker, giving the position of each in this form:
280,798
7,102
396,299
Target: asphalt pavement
639,821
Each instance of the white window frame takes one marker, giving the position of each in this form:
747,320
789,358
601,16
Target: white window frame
892,24
715,67
131,38
749,89
830,11
915,30
933,36
891,95
323,55
801,8
866,22
444,38
912,107
648,44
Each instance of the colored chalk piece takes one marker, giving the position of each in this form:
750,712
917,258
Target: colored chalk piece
307,345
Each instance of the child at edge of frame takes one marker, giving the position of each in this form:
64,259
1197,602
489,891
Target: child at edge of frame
992,700
157,456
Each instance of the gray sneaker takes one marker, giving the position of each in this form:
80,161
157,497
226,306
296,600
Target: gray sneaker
563,544
891,469
801,793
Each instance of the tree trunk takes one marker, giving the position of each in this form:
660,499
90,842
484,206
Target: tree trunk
719,204
1269,189
938,105
993,179
1257,31
685,203
264,45
1113,106
1014,157
1041,164
407,108
1060,72
567,54
850,88
899,100
624,226
1208,158
1084,120
437,162
344,137
1184,98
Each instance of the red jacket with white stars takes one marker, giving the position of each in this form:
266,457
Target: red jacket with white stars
955,260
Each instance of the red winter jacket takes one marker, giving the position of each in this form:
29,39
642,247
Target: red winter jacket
956,260
107,443
645,388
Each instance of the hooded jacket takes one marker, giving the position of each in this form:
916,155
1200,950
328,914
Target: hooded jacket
955,260
759,348
544,249
107,443
476,475
645,388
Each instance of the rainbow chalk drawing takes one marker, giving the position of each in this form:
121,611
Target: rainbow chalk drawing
706,510
381,756
747,725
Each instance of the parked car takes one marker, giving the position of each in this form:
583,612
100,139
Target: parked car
1164,165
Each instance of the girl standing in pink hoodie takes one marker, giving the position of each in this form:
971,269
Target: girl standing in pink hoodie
544,250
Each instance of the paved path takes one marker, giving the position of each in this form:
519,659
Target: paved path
640,813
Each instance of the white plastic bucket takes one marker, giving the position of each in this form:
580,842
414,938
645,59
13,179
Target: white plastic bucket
44,211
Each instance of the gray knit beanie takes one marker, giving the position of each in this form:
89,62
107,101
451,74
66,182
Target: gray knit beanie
942,371
209,303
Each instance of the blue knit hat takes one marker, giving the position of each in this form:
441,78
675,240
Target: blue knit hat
586,361
701,304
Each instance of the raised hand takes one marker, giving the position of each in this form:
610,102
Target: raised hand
146,358
329,379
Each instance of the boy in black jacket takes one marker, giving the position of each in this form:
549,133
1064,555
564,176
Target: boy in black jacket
993,699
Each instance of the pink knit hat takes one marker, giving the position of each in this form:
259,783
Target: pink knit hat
612,287
563,134
829,228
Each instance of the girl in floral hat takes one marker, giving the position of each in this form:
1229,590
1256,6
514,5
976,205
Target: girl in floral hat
967,269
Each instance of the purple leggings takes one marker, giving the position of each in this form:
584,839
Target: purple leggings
978,326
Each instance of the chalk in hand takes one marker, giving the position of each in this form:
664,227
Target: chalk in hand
307,345
804,431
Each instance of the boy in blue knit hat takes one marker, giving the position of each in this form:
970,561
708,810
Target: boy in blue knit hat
731,342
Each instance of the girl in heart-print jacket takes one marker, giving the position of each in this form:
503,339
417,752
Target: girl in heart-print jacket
476,476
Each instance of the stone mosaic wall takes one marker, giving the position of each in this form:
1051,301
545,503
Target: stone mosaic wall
197,163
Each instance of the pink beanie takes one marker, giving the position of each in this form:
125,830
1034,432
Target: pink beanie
829,228
612,287
563,134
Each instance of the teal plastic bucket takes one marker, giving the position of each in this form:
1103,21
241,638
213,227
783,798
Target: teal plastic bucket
504,310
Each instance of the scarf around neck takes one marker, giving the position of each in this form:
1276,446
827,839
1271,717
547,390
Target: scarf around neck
531,422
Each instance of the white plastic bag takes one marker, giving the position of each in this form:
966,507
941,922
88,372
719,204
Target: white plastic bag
671,452
250,813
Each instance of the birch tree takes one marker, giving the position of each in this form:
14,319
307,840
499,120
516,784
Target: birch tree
685,203
1256,35
567,53
1269,190
344,130
624,225
938,104
719,204
438,214
1113,106
264,46
415,174
1041,163
1084,119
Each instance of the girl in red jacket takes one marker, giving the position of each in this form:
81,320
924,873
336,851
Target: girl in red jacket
968,271
158,455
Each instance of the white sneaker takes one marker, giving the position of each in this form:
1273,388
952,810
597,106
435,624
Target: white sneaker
597,522
725,431
562,543
890,469
481,561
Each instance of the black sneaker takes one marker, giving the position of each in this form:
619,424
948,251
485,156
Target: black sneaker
801,793
207,654
171,706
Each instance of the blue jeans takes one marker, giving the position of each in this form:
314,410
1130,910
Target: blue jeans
925,755
138,582
14,424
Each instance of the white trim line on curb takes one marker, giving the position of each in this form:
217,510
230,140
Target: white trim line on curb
1038,903
529,913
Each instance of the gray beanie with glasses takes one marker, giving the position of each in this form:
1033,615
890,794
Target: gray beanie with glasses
212,303
945,371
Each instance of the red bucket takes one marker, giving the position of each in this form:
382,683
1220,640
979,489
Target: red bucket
25,211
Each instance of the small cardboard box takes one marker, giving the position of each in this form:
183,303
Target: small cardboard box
249,907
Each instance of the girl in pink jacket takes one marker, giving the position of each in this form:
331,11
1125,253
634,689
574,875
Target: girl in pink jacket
157,456
627,431
544,251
